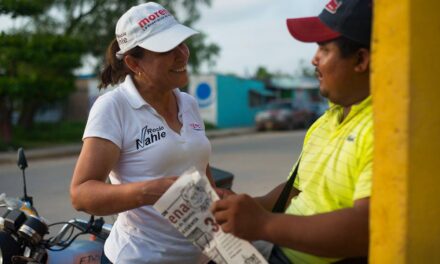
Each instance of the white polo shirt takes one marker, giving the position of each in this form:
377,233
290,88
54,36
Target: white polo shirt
149,150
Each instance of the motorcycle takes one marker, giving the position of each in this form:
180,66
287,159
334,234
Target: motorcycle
23,231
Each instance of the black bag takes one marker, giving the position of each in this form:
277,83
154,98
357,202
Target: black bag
280,204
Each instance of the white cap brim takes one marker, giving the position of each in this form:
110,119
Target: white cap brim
168,39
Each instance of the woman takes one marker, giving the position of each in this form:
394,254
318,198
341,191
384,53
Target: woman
140,134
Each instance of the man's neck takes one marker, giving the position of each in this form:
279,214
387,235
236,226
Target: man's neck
345,112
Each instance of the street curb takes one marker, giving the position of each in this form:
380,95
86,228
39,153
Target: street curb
41,153
212,134
10,157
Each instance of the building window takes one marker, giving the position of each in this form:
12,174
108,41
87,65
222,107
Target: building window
257,99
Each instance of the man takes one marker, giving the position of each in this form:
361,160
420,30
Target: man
328,214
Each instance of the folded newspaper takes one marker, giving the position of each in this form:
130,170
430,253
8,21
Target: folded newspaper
186,206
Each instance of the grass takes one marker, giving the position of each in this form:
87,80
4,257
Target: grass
51,134
45,134
209,126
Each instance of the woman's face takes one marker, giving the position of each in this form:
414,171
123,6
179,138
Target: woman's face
165,70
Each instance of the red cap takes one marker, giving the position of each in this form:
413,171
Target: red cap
310,29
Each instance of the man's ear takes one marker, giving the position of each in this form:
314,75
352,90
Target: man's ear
131,63
363,60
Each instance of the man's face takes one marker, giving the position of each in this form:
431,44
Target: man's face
336,74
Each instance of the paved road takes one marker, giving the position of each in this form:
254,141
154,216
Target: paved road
258,161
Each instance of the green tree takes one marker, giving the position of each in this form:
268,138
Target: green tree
30,79
305,69
94,22
24,7
263,74
37,60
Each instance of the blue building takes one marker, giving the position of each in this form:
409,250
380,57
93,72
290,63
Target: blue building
229,101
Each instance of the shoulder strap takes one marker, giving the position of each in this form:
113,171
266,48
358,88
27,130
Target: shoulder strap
281,202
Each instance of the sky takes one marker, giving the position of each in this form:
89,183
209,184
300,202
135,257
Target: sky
253,33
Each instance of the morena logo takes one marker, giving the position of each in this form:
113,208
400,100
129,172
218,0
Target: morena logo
333,6
145,22
196,126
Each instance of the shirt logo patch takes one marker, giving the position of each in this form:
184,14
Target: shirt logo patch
333,6
150,135
351,138
196,126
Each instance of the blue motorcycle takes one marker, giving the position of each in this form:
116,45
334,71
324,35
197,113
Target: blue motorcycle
23,231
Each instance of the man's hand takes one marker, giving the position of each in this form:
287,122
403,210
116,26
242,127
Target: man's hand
242,216
223,193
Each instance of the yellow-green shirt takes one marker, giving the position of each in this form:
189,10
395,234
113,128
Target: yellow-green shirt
335,168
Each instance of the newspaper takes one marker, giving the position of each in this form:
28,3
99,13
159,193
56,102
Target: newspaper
186,206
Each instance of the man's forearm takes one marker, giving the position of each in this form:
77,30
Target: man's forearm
342,233
268,201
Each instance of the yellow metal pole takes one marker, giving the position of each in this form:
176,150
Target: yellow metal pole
405,209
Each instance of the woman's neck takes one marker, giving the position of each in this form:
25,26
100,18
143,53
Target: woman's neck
164,102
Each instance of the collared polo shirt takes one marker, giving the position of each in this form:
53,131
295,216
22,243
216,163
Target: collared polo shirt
335,168
149,149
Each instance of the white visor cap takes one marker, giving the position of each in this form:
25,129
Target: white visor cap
151,27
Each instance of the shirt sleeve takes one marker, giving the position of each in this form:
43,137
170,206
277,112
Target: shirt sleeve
105,120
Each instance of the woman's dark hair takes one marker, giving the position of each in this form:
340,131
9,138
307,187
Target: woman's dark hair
349,47
115,69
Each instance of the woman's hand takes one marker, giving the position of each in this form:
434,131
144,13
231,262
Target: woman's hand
90,192
152,190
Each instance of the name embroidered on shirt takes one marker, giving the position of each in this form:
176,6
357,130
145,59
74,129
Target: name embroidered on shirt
149,136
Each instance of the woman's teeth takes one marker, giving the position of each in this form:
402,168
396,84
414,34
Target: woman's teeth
180,69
